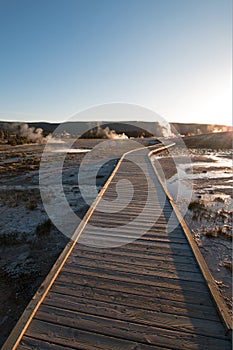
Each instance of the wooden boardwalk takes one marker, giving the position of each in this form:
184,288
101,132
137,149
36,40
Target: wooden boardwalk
153,291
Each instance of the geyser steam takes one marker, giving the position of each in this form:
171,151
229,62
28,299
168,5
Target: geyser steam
22,131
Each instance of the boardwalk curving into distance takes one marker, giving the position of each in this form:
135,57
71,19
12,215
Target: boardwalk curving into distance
129,282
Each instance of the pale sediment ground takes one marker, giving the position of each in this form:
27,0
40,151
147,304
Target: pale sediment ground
209,215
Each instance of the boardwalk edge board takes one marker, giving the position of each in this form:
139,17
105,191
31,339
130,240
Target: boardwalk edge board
21,326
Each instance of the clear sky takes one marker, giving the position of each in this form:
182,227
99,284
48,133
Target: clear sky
58,57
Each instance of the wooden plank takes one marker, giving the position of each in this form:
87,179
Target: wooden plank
121,240
126,235
148,237
159,281
29,343
82,339
131,211
132,269
132,208
167,263
126,330
161,249
135,223
137,219
136,315
159,256
125,215
153,228
155,246
187,296
145,302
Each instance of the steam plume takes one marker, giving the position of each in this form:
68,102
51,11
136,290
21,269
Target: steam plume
23,130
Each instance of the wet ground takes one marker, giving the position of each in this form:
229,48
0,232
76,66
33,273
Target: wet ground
203,191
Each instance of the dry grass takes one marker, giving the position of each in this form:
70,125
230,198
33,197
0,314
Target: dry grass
228,265
211,233
14,198
219,199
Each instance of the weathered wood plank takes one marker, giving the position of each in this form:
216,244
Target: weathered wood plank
160,248
159,281
29,343
167,262
140,223
137,315
124,237
198,297
122,240
152,233
153,257
129,331
82,339
114,267
145,302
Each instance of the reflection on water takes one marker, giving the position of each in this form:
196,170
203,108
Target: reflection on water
71,150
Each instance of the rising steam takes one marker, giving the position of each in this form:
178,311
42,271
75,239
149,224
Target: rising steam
109,134
22,131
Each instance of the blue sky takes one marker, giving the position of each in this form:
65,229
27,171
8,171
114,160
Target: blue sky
61,56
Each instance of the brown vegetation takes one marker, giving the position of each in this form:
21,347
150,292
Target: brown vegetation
221,140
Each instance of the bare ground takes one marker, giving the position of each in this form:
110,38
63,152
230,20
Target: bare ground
29,242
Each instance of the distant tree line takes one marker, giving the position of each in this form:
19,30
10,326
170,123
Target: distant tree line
12,139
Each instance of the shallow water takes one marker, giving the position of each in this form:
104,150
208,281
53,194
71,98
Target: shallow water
71,150
185,175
